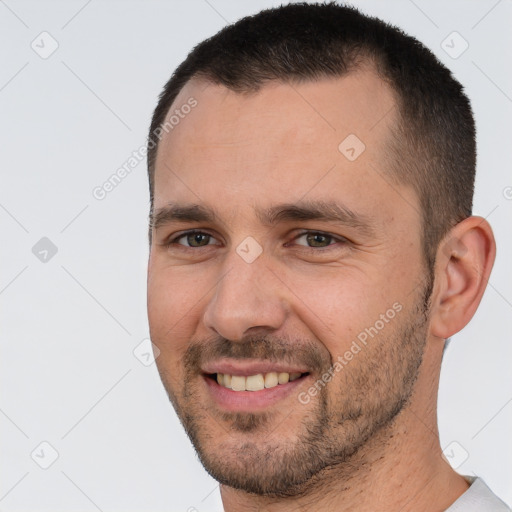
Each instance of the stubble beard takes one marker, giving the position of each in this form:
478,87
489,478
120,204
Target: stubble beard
361,400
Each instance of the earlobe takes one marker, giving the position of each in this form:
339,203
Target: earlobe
464,261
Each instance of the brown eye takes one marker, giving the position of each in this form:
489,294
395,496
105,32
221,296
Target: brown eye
192,239
198,239
314,239
318,240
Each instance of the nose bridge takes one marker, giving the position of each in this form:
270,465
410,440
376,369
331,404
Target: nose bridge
247,296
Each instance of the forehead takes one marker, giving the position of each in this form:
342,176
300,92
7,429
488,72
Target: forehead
287,141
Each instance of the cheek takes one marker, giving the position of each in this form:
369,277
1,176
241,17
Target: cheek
336,301
339,305
174,305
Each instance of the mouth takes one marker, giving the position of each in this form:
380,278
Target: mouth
252,386
256,382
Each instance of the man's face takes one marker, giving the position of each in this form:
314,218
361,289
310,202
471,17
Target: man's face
265,285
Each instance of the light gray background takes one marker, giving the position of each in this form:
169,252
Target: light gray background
69,325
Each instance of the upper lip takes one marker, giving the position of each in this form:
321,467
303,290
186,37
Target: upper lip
247,367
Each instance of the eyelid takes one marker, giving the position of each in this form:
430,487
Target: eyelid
173,239
335,238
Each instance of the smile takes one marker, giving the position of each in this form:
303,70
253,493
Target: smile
255,382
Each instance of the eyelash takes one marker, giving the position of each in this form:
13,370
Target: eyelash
336,239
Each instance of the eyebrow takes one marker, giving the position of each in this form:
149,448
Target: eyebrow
182,213
328,211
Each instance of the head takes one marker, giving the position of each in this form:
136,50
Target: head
307,168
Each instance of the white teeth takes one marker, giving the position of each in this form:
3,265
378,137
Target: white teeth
237,383
271,380
283,378
255,382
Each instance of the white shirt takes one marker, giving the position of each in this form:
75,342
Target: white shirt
478,498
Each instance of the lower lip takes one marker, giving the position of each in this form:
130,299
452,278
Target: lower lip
250,401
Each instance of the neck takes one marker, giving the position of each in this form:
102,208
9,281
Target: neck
400,468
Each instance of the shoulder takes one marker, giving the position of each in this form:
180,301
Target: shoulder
478,498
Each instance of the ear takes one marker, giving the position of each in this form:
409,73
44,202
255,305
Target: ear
463,264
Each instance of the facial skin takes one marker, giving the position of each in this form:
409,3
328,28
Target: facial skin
302,302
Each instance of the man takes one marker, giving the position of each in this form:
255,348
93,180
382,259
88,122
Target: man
312,247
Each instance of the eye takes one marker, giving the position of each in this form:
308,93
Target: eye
192,239
316,239
319,246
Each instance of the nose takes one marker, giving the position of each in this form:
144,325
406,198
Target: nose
247,297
